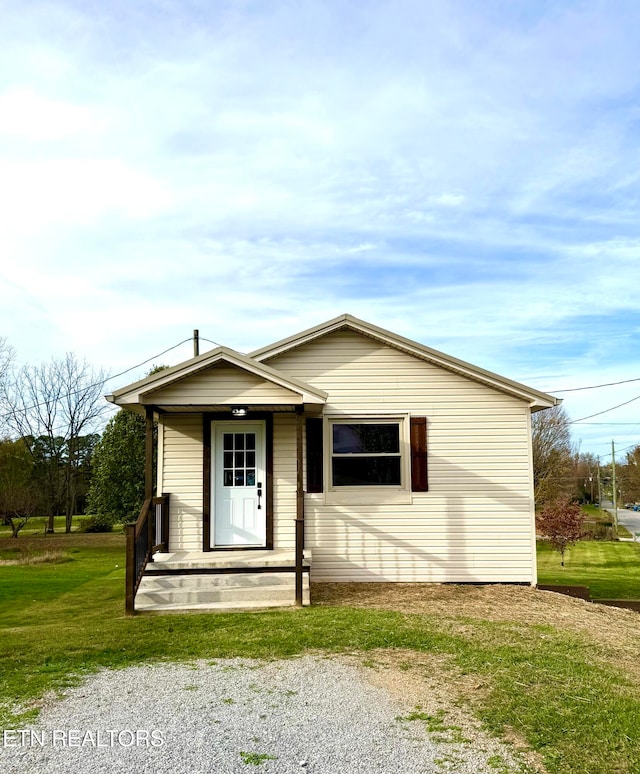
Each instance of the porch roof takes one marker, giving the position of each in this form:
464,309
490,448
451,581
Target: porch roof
216,380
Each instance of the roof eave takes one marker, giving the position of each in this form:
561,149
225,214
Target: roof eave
137,392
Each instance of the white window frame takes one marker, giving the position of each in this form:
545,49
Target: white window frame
365,494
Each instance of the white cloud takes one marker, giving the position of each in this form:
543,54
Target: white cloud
36,194
32,117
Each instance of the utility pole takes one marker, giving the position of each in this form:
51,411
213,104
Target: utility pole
613,481
196,342
599,488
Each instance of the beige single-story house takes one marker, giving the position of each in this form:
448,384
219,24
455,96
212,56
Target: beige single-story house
342,453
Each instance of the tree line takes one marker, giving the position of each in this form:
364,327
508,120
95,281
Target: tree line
53,459
561,471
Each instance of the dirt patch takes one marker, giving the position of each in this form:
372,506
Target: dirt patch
46,557
432,684
614,630
60,541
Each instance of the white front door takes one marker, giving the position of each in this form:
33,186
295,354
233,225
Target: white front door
238,500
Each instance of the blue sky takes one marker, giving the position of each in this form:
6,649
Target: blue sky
465,174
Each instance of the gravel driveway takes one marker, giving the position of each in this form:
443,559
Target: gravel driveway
309,714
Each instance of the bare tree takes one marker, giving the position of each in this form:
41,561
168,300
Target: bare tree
553,454
51,407
6,362
83,406
585,470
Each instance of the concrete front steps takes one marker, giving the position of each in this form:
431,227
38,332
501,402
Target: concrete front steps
224,580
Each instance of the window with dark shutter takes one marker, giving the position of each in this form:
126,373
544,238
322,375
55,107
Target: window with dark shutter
366,454
314,454
419,482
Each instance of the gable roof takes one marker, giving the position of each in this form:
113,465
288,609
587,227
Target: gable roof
139,391
537,399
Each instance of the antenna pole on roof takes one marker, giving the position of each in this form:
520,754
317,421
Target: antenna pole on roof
196,342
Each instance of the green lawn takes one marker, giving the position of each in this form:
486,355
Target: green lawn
611,570
561,692
38,524
594,512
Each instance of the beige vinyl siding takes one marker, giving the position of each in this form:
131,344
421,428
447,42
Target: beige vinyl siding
181,470
284,480
222,385
474,523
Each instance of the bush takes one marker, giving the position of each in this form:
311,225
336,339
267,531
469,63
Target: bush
96,524
561,523
598,530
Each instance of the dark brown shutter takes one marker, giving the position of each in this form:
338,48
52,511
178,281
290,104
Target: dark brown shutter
314,455
419,482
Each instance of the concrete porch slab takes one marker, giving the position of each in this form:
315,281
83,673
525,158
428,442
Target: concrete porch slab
221,560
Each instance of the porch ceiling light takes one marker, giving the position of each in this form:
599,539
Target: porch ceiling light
239,411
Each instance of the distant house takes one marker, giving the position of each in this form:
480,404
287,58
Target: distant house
367,456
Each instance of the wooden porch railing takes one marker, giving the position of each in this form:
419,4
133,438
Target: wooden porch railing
146,537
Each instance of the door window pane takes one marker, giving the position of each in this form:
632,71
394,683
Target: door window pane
239,465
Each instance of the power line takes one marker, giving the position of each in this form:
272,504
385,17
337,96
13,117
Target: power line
596,386
96,384
605,411
148,360
626,448
602,457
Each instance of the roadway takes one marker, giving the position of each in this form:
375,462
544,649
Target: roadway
626,518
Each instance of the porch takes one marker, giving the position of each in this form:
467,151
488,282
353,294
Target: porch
219,580
228,528
235,563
